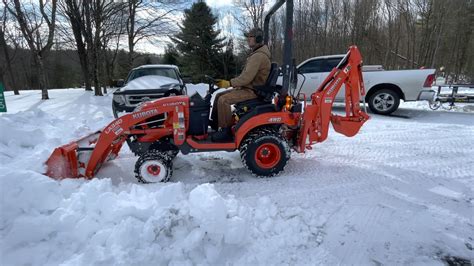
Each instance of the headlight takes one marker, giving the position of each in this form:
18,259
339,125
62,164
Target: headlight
119,99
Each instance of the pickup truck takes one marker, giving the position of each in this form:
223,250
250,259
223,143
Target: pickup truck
384,89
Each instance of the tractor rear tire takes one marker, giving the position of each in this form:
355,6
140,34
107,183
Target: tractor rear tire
265,152
154,166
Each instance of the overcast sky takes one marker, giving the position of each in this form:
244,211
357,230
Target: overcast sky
219,3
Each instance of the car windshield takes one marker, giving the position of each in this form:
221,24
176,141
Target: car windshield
164,72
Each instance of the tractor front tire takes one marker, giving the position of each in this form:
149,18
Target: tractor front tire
154,166
265,152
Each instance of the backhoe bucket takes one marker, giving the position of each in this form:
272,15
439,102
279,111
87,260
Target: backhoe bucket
71,160
348,126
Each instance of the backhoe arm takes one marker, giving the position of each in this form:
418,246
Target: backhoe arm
316,117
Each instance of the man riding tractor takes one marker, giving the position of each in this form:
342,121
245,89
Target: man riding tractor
255,73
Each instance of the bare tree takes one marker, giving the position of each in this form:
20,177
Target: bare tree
112,32
252,16
148,20
253,13
31,22
74,11
6,54
93,24
96,15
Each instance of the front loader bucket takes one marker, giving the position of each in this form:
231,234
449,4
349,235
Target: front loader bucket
70,160
81,158
63,162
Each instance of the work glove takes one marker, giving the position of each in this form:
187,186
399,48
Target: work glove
222,83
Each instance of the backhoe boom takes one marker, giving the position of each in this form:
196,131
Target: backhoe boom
315,124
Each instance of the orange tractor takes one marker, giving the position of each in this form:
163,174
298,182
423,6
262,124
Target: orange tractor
265,131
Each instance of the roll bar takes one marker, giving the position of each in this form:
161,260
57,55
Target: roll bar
288,44
270,13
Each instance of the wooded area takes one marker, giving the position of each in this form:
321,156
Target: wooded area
89,43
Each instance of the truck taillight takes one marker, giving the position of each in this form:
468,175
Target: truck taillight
429,80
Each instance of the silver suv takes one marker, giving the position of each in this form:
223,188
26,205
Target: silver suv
146,83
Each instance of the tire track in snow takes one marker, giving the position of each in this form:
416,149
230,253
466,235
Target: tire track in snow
359,233
439,212
410,178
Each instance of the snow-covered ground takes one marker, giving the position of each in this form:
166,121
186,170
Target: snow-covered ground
400,192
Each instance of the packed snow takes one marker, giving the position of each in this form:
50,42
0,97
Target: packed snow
399,192
149,83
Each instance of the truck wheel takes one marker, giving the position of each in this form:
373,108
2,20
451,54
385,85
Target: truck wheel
153,167
265,153
384,102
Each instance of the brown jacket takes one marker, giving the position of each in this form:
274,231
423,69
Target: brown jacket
256,69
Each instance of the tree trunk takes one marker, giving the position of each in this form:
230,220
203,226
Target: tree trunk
390,34
85,71
131,32
435,53
3,44
77,25
42,79
109,68
82,53
95,73
104,76
96,52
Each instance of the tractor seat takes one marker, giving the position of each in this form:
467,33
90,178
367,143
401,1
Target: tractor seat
264,92
268,90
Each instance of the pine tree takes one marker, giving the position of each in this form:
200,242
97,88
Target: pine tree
198,42
171,56
228,62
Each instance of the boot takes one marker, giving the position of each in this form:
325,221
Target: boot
223,135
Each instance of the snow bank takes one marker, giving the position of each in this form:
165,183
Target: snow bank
45,222
83,223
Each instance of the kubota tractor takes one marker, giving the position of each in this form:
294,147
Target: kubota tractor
265,131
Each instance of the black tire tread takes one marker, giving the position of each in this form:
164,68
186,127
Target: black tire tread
256,136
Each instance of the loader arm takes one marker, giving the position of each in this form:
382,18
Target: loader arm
316,117
84,157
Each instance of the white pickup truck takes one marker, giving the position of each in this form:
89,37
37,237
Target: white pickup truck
384,89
